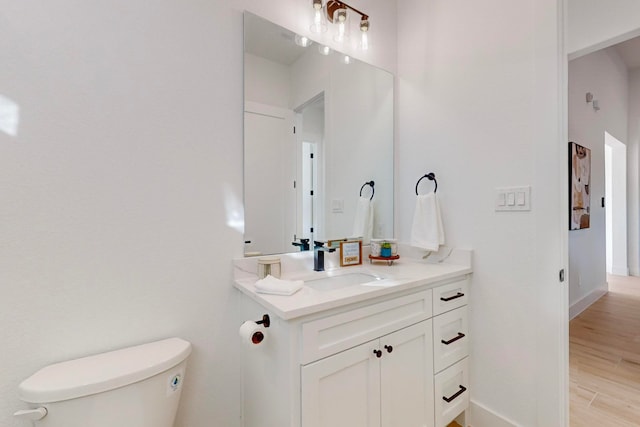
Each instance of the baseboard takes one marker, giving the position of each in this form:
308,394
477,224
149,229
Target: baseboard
583,303
620,270
481,416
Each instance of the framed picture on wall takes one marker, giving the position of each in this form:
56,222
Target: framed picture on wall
579,186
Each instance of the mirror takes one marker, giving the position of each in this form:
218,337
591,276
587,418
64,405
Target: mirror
316,129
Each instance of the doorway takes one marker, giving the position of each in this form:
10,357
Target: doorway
615,154
600,105
310,134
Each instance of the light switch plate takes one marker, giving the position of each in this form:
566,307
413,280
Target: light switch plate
513,198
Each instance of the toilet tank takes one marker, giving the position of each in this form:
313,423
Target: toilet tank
134,387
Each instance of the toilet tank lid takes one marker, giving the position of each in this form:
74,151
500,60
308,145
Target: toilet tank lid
103,372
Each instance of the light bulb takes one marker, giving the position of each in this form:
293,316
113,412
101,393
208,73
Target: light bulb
302,40
318,25
340,18
324,50
341,32
346,59
364,24
364,42
364,29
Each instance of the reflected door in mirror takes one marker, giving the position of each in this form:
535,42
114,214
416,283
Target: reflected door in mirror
269,176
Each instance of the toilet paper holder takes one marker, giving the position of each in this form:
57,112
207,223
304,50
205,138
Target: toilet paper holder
252,333
266,321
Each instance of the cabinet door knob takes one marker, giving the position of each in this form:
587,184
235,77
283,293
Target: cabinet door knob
389,348
378,353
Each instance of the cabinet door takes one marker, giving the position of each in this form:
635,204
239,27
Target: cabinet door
407,377
343,390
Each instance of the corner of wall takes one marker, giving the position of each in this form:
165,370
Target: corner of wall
481,416
585,302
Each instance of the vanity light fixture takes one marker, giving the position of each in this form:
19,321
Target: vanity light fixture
337,13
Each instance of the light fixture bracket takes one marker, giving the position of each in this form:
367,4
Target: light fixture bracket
341,7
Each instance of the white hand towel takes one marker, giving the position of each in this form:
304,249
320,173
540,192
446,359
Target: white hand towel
275,286
363,221
427,231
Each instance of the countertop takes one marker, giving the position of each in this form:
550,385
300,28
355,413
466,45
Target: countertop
404,274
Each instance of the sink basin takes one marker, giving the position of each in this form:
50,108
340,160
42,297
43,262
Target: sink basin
332,283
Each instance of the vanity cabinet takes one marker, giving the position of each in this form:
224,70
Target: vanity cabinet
398,360
386,382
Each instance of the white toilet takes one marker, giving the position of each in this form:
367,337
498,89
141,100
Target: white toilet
133,387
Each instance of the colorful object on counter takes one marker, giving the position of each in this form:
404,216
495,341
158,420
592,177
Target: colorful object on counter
385,249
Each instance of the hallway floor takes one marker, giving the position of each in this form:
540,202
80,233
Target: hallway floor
604,354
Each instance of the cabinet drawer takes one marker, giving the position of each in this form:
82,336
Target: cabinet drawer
329,335
451,388
448,297
450,338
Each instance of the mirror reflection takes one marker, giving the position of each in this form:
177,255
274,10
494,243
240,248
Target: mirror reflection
317,128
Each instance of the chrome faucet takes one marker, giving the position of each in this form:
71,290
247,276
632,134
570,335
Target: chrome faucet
318,255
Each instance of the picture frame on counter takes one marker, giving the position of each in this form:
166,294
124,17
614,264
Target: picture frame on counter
350,253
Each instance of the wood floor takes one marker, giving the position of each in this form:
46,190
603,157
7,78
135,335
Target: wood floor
604,359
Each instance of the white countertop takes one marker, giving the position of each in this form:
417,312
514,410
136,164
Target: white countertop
404,274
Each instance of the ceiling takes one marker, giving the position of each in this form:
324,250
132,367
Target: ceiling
629,51
269,40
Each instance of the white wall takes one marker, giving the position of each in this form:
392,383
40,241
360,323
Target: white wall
359,130
359,104
633,177
122,191
597,24
604,75
479,105
617,230
267,82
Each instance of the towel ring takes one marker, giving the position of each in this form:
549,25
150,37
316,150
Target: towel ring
431,177
373,190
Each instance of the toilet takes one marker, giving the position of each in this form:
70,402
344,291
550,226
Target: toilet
134,387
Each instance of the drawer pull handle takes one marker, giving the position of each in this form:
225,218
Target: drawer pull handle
452,340
378,353
389,348
456,296
458,393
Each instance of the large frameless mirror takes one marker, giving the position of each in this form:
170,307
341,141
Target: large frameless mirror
317,129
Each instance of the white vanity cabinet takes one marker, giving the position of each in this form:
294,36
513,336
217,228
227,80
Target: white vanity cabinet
385,382
396,360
